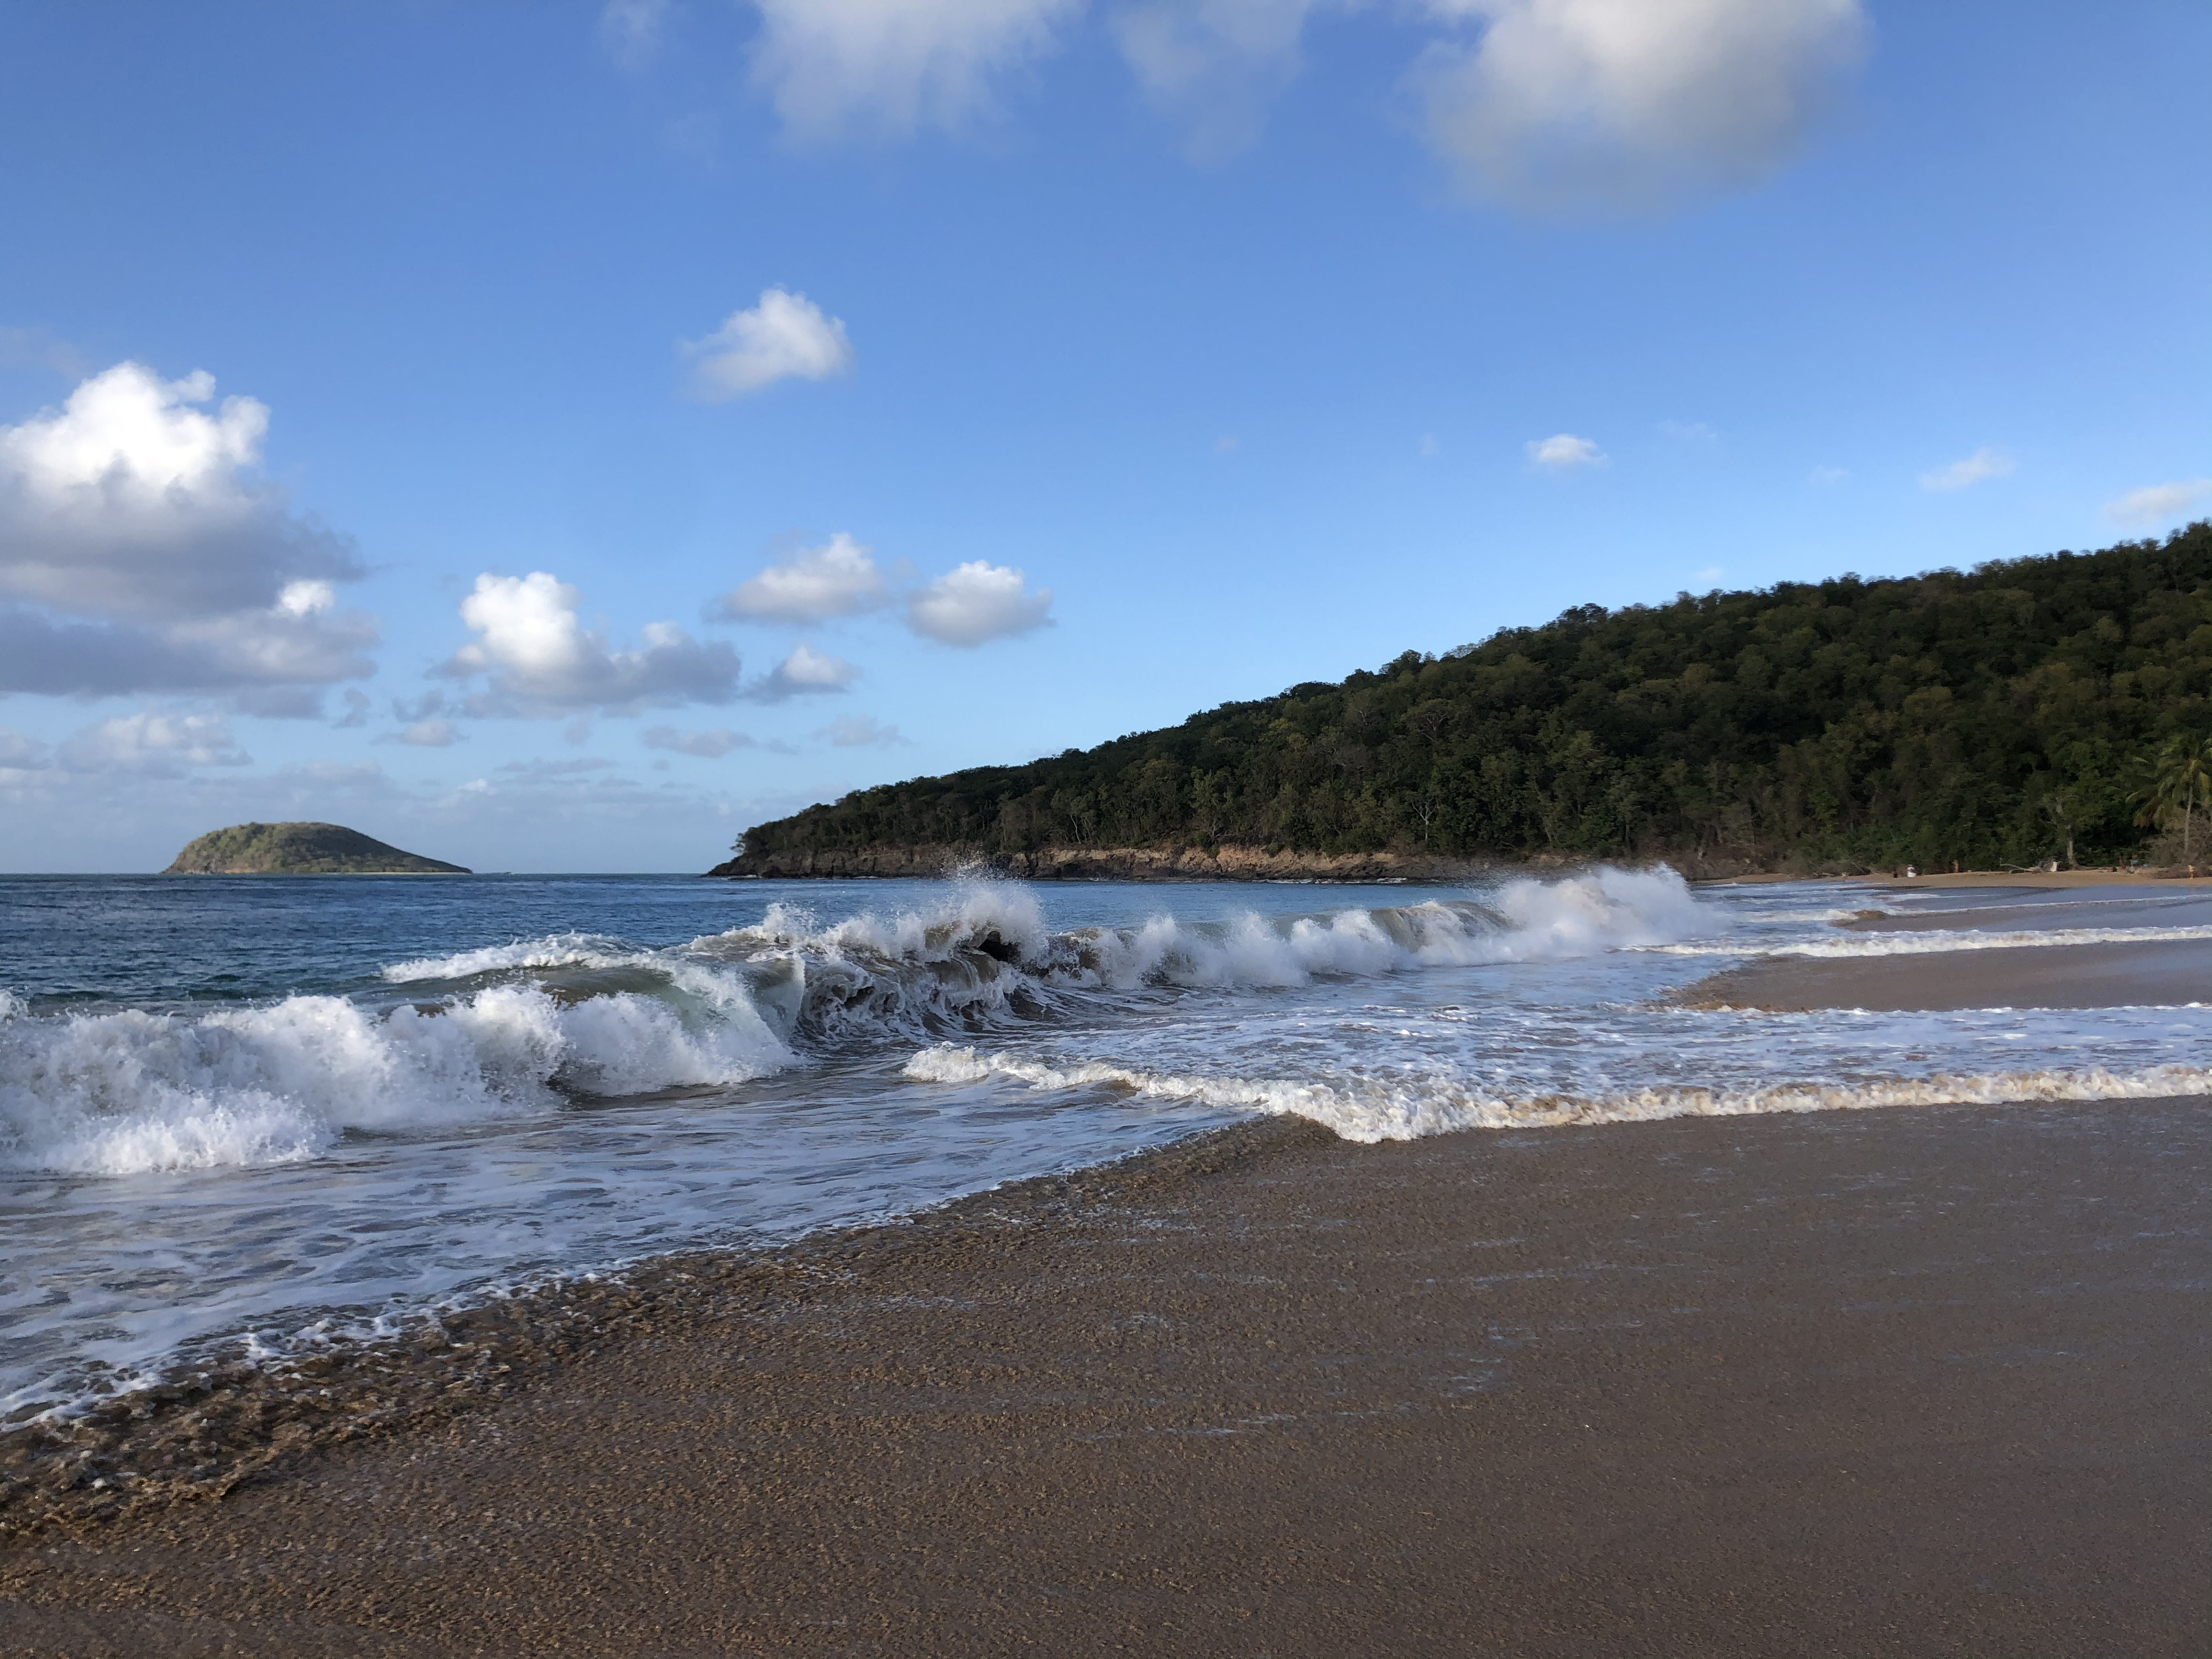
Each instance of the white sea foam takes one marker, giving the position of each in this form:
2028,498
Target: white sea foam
1941,942
1522,921
127,1092
986,952
1372,1109
554,951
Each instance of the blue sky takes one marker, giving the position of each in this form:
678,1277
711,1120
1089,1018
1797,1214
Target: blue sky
1066,368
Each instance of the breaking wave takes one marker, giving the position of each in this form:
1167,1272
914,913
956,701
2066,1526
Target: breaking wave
517,1030
124,1092
1371,1110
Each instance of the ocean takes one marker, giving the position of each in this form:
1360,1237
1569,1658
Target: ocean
242,1117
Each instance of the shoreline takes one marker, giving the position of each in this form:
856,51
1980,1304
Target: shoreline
2146,973
1921,1380
1168,866
202,1433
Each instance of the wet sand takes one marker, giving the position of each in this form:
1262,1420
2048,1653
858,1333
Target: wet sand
2147,973
2020,912
2159,973
2041,878
1925,1381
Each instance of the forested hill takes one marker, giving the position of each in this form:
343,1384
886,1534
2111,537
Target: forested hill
1978,716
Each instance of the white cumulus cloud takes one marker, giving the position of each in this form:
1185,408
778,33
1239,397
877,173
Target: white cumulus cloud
1978,468
1567,105
539,659
2158,504
885,68
837,578
1562,452
139,551
975,602
786,335
1214,65
806,672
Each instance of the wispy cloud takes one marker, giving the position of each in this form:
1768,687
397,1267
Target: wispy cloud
883,69
711,744
46,349
580,766
2159,504
1977,468
1212,66
1562,452
630,30
434,734
861,731
162,745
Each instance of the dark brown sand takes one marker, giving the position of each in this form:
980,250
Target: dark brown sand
1926,1380
2159,973
2175,882
2021,912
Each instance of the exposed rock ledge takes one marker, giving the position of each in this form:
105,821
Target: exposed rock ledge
1107,864
1195,864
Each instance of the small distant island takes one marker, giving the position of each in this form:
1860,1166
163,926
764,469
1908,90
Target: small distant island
301,849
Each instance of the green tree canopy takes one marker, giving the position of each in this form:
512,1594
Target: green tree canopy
1990,716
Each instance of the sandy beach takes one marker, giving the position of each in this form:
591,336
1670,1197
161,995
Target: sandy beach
1912,1381
2158,973
2107,974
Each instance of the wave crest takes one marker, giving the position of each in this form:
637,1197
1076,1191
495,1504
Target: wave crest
128,1091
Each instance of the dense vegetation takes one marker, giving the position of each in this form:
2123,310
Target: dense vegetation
299,849
1988,717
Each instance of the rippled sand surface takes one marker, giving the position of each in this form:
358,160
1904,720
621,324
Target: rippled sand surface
1911,1382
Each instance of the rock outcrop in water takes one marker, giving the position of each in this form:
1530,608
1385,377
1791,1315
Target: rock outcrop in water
301,849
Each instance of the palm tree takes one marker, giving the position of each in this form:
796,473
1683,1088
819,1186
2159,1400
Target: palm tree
2177,781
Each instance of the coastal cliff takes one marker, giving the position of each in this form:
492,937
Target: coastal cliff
299,849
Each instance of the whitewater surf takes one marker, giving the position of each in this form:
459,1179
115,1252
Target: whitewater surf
239,1121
